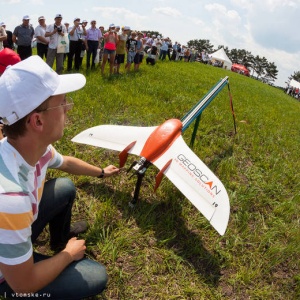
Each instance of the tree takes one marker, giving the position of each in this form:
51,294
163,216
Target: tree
201,45
259,65
295,76
227,51
263,70
270,73
241,56
156,33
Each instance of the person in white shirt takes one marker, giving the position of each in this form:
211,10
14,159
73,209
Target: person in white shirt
76,34
54,31
42,41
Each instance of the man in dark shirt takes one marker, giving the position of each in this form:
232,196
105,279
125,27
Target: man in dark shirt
131,46
22,36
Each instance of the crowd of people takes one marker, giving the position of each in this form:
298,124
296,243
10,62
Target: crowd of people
293,91
115,46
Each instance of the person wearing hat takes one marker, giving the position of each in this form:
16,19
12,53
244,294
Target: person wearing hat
76,34
33,108
22,36
67,24
42,41
54,31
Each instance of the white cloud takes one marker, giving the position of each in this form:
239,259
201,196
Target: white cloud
197,22
37,2
168,11
274,4
11,2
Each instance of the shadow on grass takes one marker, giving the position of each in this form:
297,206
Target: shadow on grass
184,242
165,218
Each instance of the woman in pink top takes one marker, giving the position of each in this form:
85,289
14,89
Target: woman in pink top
110,45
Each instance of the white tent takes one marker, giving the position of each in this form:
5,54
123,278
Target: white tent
221,56
294,83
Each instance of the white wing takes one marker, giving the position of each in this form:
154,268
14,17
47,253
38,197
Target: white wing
115,137
197,182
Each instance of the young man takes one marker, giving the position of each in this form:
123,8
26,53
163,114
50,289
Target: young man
33,108
131,46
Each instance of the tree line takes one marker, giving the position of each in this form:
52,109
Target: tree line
295,76
259,67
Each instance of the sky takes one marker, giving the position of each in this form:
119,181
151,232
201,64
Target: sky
268,28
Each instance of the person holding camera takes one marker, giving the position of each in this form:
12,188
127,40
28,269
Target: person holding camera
54,31
111,40
76,33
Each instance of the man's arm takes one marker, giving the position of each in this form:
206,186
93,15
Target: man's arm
72,31
77,166
29,277
40,37
3,36
14,38
49,33
14,35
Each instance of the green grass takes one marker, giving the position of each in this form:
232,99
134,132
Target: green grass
164,248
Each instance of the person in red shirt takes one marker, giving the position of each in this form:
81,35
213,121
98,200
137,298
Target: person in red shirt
110,46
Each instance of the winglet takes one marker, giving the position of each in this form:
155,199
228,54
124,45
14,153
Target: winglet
159,176
124,154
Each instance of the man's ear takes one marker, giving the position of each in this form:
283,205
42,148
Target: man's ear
35,121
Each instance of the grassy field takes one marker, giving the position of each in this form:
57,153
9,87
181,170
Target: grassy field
164,248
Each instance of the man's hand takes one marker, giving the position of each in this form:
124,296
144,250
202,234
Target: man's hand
76,248
111,170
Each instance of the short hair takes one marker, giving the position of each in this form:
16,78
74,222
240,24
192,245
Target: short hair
18,129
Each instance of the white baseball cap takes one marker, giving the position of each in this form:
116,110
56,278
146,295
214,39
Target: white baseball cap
58,16
26,17
126,28
27,84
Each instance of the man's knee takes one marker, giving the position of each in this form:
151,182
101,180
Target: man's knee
60,188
